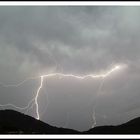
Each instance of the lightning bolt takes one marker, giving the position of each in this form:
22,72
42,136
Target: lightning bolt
36,97
34,101
68,75
94,108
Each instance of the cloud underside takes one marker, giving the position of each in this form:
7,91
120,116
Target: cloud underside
78,40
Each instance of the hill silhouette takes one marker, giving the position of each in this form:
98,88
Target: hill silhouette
13,122
131,127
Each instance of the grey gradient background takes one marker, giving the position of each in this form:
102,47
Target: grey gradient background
72,39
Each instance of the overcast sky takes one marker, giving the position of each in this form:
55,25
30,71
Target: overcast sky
78,40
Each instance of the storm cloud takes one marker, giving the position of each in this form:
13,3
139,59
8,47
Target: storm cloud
37,40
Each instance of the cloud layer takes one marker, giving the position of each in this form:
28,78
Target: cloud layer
72,39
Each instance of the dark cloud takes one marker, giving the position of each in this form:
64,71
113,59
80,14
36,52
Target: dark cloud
72,39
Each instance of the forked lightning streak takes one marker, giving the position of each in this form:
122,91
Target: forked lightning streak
34,101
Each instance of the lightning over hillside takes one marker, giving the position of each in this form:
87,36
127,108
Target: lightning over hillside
34,101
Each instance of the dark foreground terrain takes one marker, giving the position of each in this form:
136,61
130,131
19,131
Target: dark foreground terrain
13,122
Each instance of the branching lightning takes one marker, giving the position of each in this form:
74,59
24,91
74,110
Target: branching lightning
34,101
69,75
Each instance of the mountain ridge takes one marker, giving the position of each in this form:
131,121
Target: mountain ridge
13,122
